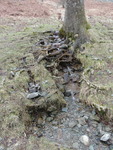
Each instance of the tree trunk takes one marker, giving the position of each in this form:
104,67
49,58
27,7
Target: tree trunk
75,21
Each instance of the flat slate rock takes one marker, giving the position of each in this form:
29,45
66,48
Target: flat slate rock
33,95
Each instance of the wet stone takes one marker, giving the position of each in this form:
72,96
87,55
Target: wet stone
49,119
66,77
95,118
105,137
63,46
111,147
65,109
82,121
41,42
67,93
72,124
107,129
79,125
34,88
94,124
91,147
33,95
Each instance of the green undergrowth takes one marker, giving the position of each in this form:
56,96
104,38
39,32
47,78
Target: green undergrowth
97,60
18,41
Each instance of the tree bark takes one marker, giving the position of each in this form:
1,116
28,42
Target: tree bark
75,21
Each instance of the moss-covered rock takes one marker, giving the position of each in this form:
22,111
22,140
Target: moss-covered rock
53,99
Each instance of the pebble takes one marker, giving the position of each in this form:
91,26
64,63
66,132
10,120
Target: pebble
84,139
2,148
72,124
76,145
55,123
55,128
105,137
33,95
95,118
108,129
11,75
91,147
1,139
65,109
40,121
82,121
111,147
94,124
67,93
79,125
64,46
49,119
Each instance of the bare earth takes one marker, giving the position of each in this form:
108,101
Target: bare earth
36,8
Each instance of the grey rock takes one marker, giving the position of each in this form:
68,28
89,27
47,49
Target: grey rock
32,89
43,94
2,147
111,147
72,124
55,123
100,129
1,139
86,118
49,119
33,95
107,129
55,127
64,46
66,77
65,109
94,124
84,139
105,137
82,121
79,125
91,147
95,118
67,93
11,75
75,145
40,121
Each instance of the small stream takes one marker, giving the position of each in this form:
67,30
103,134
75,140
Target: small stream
75,121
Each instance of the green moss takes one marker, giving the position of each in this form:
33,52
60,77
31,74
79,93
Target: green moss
96,87
88,26
62,32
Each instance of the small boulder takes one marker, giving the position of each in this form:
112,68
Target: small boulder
84,139
105,137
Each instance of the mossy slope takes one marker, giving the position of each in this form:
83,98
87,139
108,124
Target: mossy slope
97,60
